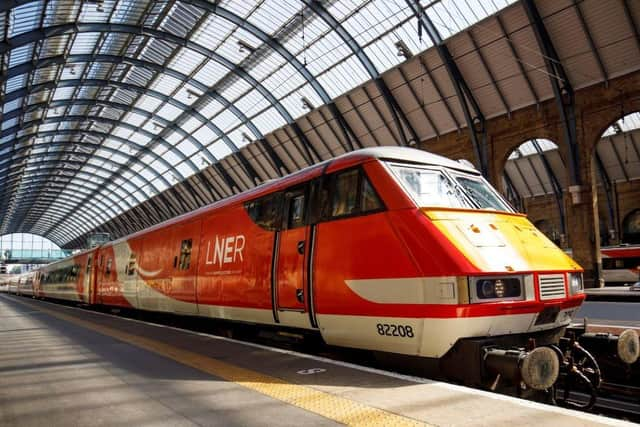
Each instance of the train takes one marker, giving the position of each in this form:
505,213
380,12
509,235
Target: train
620,264
394,250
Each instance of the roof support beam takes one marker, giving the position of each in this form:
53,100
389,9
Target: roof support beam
608,191
592,45
54,165
472,113
555,185
632,23
57,30
518,61
397,113
513,191
562,89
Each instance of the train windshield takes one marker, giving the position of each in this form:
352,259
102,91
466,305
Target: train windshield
448,188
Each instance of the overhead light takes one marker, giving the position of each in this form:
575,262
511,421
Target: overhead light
192,93
245,47
246,138
403,49
306,104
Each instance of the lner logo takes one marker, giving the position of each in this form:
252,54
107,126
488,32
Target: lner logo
226,250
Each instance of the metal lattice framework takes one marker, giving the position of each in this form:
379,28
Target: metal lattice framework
119,114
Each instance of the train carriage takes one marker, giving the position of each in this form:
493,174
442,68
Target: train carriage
388,249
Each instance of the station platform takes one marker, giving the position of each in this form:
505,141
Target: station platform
61,365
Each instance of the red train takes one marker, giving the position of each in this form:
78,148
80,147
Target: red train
389,249
620,265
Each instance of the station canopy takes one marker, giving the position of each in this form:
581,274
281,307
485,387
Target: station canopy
119,114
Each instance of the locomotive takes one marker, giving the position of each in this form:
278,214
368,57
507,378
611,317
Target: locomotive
389,249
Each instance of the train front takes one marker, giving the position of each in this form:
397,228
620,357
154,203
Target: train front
516,291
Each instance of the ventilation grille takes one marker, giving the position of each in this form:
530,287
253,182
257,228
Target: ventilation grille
551,286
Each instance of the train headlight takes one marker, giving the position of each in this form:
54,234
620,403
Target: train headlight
575,283
492,288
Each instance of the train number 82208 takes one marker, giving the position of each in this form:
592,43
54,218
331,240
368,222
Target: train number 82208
391,330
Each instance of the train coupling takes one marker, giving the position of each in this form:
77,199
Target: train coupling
538,368
626,346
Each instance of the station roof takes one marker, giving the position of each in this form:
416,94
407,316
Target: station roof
118,114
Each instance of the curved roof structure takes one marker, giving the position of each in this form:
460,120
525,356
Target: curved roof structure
118,114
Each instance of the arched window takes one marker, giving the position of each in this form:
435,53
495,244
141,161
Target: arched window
631,227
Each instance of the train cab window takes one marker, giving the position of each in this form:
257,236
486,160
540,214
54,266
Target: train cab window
185,254
107,270
265,211
370,200
345,194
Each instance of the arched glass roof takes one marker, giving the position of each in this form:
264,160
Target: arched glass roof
106,103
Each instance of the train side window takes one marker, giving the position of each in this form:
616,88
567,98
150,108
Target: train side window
296,211
370,199
131,266
107,270
88,265
344,199
185,254
351,193
265,211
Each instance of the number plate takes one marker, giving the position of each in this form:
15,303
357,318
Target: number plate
548,315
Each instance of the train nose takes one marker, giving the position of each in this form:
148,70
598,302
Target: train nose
538,368
628,346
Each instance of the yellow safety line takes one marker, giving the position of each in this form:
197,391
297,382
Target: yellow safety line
336,408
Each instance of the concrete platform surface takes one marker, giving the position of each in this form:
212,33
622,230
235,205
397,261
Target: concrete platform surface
63,366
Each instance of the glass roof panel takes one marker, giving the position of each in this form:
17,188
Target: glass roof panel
272,14
627,123
205,135
186,61
219,150
20,55
24,18
211,72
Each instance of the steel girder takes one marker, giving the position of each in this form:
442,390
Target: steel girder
555,184
394,108
608,189
562,89
474,117
98,134
40,34
96,210
12,160
80,119
60,165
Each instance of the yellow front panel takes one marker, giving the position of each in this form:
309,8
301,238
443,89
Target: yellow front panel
500,242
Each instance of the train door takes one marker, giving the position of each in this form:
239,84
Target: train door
290,276
91,273
87,282
185,262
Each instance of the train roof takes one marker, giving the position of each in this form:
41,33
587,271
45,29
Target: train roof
400,154
410,155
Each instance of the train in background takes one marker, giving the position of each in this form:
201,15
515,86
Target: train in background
388,249
620,264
